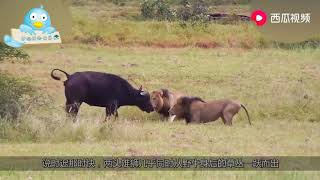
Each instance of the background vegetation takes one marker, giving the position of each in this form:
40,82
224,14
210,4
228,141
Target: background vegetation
7,52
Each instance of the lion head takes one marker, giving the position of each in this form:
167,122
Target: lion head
157,100
182,108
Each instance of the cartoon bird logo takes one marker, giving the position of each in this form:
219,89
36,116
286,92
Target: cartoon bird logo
37,19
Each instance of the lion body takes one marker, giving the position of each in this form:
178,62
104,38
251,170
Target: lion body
195,110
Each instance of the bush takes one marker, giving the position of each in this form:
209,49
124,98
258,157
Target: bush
147,9
199,7
184,12
228,2
7,52
193,11
14,94
157,9
312,43
190,9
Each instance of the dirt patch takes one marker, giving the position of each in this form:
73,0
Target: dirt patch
207,45
98,41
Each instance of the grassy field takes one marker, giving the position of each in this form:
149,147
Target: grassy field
280,88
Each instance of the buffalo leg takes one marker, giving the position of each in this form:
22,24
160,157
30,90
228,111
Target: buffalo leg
112,109
72,110
108,112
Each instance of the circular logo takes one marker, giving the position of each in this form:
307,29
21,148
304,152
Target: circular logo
259,17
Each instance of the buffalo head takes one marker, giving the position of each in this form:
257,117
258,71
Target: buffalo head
142,99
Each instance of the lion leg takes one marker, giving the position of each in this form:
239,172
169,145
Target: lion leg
229,111
171,118
227,116
223,119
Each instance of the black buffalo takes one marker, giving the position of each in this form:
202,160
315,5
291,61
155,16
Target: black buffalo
102,90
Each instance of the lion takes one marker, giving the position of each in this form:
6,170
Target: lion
163,100
196,110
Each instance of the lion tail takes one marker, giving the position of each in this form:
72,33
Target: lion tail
246,113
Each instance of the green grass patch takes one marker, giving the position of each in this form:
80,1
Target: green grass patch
166,34
277,86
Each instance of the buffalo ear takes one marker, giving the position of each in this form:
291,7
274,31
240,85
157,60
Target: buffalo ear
140,89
